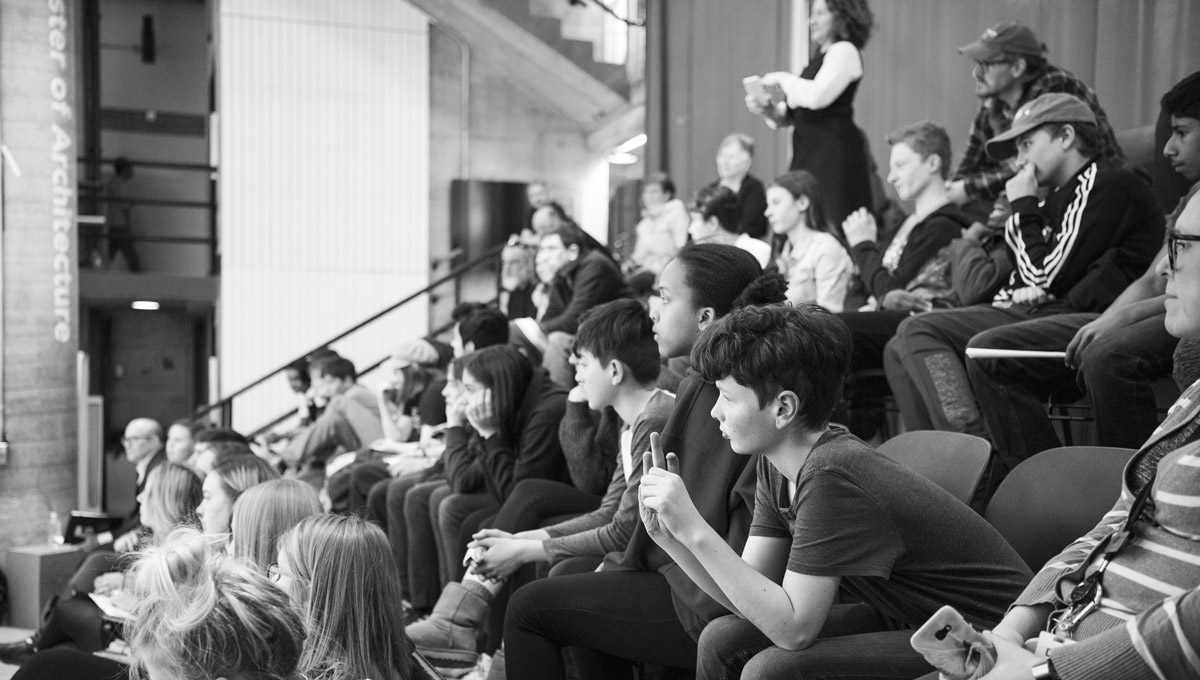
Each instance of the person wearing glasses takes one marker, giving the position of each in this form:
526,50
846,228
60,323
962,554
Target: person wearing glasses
1112,358
1129,610
1075,251
143,443
1010,71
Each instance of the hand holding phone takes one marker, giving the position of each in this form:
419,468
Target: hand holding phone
953,647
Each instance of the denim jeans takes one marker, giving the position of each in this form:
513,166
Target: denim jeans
855,642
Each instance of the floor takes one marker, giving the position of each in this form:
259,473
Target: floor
9,635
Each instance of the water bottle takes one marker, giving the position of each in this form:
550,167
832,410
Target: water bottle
54,535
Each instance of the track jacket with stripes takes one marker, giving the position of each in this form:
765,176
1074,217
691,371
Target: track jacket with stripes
1087,241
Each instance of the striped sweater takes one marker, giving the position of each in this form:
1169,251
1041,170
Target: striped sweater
1148,623
1086,242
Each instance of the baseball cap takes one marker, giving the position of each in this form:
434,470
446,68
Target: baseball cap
1006,37
1052,107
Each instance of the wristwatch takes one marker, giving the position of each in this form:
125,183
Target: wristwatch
1045,671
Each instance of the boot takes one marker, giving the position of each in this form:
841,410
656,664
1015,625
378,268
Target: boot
447,637
17,653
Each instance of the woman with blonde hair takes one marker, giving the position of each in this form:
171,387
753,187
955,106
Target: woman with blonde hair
201,614
264,513
169,499
343,579
222,487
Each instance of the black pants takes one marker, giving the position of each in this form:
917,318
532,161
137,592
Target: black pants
609,620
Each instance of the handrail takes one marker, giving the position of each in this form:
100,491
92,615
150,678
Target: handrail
455,273
282,417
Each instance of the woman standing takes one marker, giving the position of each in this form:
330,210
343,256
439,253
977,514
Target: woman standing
819,104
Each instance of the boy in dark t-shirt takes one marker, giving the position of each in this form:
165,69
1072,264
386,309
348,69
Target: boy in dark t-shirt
830,512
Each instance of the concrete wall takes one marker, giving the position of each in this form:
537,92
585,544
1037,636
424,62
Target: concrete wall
512,137
40,295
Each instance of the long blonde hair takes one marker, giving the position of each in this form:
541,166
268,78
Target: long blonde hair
203,614
347,587
173,492
264,512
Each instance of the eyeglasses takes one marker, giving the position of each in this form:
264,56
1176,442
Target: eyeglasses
273,572
129,440
1173,238
985,65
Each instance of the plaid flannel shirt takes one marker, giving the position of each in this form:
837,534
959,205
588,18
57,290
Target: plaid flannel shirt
983,177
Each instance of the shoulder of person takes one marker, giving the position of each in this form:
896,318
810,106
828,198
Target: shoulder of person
837,449
843,52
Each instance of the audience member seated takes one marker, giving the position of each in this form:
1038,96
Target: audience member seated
1011,71
181,440
617,366
340,575
889,270
537,194
1128,593
264,513
513,411
410,405
583,279
1112,358
919,161
1094,233
517,279
143,443
716,215
412,531
642,607
663,229
734,157
830,515
215,446
169,499
201,615
222,487
814,261
349,421
552,216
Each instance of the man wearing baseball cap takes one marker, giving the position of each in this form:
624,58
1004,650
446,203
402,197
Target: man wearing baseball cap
1076,251
1010,71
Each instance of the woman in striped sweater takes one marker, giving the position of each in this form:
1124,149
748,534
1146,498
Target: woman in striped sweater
1147,622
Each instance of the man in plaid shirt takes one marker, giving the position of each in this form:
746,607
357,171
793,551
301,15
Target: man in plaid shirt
1011,70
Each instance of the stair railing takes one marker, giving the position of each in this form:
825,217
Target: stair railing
224,406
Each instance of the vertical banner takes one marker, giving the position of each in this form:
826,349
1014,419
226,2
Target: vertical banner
39,292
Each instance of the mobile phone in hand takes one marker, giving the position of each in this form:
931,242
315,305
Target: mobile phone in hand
755,88
950,644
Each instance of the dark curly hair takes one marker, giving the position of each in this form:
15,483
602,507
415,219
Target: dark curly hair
852,20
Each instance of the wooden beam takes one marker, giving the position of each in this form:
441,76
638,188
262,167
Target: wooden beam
534,65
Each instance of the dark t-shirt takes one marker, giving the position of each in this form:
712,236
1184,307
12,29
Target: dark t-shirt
900,543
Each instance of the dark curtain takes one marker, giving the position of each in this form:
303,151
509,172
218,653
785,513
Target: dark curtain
1130,51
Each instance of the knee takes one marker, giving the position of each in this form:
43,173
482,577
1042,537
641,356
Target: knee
719,655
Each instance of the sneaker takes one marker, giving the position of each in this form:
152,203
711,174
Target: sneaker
17,653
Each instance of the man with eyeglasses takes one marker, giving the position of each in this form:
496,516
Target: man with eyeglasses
1010,71
1075,252
1112,358
143,443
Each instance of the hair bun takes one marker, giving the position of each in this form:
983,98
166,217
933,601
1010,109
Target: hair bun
768,289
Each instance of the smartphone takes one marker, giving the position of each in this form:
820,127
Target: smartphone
950,644
754,88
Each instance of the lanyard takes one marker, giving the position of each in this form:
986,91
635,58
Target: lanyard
1086,596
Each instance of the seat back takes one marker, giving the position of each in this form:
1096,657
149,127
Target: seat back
952,460
1053,498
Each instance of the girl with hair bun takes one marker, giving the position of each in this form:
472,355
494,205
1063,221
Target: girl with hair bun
641,608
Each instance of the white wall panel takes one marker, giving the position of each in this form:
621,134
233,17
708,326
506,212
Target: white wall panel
324,147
